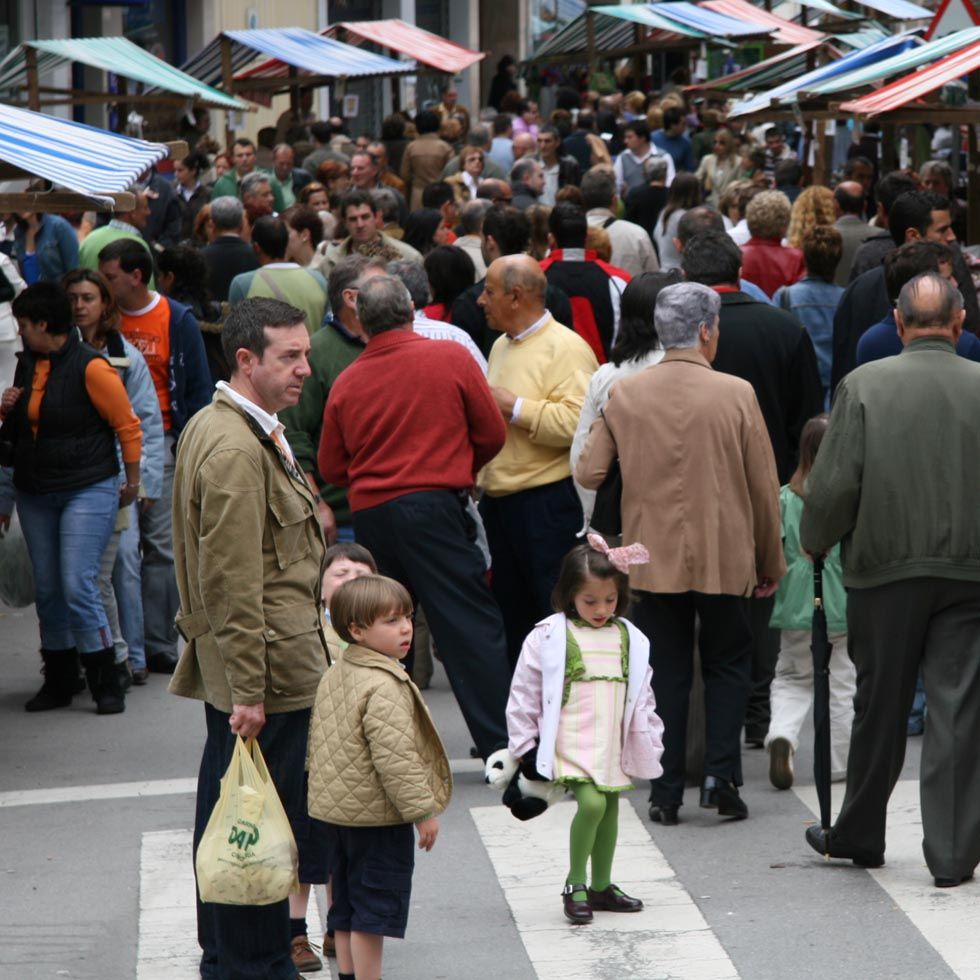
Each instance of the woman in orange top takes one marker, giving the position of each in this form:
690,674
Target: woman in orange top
62,417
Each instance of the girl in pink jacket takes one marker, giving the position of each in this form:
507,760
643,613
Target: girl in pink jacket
581,698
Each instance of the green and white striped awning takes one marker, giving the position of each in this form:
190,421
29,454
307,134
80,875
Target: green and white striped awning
115,54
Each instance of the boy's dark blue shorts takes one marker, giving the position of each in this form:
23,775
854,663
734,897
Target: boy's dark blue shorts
371,878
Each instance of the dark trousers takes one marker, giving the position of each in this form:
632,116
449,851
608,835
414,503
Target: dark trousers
427,542
765,653
249,942
892,630
725,644
529,533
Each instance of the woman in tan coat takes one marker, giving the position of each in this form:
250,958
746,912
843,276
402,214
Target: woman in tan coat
424,158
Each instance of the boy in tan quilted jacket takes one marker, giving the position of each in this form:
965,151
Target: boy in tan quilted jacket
377,768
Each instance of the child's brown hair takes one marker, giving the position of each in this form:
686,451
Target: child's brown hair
580,563
362,601
810,439
352,552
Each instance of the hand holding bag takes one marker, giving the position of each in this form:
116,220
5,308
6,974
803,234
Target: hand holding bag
247,855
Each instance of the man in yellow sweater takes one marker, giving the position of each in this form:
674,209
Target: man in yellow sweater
539,371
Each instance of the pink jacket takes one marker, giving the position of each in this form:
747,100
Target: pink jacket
534,706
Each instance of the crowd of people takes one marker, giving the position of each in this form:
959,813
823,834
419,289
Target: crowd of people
228,404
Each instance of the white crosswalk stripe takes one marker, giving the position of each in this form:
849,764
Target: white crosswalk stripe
947,918
669,938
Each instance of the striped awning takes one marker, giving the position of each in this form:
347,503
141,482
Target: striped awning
783,31
897,9
900,63
702,18
788,91
115,54
294,47
409,40
90,161
786,64
905,90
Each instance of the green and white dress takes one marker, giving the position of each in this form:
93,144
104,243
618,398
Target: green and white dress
589,747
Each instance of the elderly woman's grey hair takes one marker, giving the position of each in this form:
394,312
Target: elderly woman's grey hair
655,167
383,303
412,274
681,310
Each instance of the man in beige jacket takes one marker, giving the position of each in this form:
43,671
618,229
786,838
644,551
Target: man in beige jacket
700,491
424,158
248,549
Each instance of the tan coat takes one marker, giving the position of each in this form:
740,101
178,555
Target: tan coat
248,550
375,758
699,478
422,164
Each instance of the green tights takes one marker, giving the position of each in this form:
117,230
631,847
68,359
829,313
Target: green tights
594,830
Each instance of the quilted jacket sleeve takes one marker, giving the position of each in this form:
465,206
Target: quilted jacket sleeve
390,728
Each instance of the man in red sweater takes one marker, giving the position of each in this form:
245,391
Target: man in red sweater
406,428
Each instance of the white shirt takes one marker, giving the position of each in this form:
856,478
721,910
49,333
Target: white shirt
437,330
523,335
269,424
550,185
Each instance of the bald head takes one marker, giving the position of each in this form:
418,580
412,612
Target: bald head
523,144
929,305
849,196
513,294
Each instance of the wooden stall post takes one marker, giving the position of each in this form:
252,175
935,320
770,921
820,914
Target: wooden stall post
590,40
228,83
972,167
33,91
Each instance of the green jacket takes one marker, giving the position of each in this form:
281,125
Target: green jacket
331,350
897,474
793,609
305,289
248,553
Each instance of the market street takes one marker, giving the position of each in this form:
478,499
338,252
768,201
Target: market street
96,813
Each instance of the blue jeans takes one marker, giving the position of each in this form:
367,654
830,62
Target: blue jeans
66,533
127,583
159,580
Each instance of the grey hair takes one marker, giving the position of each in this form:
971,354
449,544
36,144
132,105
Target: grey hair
383,199
383,303
523,168
940,167
480,136
412,274
680,312
655,167
343,276
227,213
472,215
936,311
251,181
245,326
598,188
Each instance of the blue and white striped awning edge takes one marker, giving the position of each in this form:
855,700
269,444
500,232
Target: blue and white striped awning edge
84,159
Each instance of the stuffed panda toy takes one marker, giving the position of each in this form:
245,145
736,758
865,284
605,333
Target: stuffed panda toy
527,793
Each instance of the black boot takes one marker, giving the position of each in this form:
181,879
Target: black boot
105,681
60,674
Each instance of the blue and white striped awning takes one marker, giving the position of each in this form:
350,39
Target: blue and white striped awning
787,92
897,9
84,159
296,47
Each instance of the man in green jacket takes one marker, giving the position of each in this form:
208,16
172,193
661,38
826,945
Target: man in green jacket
332,349
896,482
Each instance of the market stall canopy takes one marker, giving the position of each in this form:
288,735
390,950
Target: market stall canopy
409,40
615,28
786,64
904,91
91,162
899,63
292,47
115,54
787,92
897,9
783,31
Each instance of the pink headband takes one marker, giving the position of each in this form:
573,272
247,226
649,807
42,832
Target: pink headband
620,558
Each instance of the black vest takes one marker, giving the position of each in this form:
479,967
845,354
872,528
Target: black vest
74,447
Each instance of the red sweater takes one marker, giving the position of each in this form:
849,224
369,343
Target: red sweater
409,414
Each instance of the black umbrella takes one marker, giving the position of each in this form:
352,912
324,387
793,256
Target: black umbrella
821,647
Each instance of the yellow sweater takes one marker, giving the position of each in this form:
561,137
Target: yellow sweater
550,370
